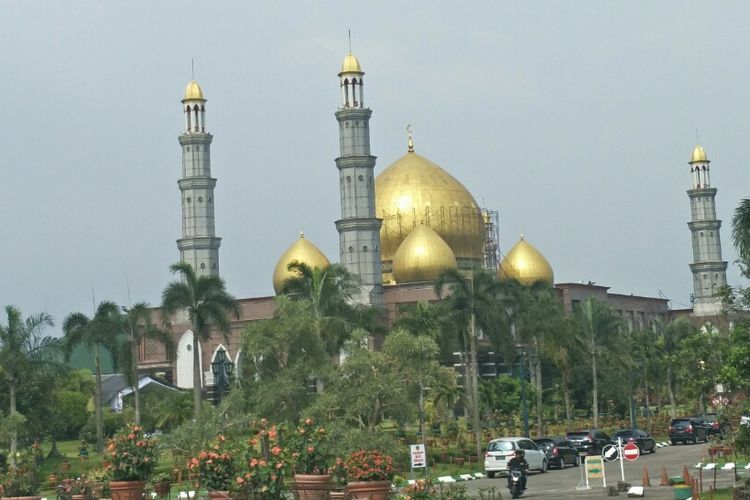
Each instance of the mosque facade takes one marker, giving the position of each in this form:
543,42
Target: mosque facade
397,231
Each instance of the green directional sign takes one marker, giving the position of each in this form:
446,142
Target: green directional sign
594,467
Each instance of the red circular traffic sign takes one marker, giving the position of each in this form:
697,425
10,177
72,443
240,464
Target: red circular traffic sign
631,452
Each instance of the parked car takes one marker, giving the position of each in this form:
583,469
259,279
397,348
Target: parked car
560,452
588,441
687,429
501,450
641,438
716,425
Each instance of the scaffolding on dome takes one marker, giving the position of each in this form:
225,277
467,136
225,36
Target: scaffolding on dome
491,239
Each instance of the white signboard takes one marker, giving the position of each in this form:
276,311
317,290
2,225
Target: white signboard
418,456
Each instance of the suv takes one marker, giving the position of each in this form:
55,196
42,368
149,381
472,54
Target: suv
716,425
588,441
687,429
501,450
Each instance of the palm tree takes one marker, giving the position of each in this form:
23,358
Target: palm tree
137,328
23,349
474,302
598,325
741,234
207,304
330,291
97,332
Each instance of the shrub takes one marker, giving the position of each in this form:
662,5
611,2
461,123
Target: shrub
214,467
132,455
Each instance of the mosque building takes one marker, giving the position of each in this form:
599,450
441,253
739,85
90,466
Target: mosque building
397,231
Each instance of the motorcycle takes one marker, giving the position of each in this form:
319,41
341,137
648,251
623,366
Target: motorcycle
515,479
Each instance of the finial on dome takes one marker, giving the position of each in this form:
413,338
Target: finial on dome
301,234
410,144
522,238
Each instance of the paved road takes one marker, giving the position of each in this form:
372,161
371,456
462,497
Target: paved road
563,483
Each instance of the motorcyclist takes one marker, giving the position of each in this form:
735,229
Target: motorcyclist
519,462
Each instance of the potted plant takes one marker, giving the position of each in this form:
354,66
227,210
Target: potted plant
339,478
20,482
267,465
421,489
214,468
369,473
162,484
132,458
79,488
311,478
98,478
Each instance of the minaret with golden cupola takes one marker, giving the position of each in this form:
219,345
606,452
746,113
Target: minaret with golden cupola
709,270
358,227
199,245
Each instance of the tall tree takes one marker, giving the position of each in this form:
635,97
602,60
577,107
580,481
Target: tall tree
598,328
329,292
94,333
473,300
741,234
136,328
207,304
23,349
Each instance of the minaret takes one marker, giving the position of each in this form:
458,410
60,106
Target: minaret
709,271
199,245
359,229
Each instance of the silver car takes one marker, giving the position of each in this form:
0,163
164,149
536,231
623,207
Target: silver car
501,450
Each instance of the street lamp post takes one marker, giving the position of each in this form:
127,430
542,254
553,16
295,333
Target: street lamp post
221,367
524,402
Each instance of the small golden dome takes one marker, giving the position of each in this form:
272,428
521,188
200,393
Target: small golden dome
193,92
350,65
422,256
698,154
414,189
526,264
303,251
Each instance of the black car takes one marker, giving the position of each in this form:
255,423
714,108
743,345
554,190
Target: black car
641,438
687,429
716,425
560,452
588,441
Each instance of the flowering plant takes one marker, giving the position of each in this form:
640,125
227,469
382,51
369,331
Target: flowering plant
19,481
369,465
132,455
78,486
421,489
339,476
215,467
267,465
306,445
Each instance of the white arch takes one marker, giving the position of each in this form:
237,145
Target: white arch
184,363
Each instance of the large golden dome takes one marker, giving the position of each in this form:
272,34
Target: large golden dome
351,65
414,190
193,92
422,256
303,251
698,154
526,264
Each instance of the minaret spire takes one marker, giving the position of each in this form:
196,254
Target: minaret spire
709,270
359,228
199,245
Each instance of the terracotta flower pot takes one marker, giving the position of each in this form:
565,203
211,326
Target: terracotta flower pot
21,498
127,490
369,490
311,486
162,488
219,495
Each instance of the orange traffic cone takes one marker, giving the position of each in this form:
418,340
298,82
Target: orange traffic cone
664,478
685,474
646,480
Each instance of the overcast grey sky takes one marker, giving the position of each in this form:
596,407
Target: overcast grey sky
575,120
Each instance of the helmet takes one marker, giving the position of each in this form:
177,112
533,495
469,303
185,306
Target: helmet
520,453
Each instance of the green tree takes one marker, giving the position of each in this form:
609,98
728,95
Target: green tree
328,293
136,328
94,333
282,358
561,350
207,304
23,350
741,234
670,336
473,301
598,329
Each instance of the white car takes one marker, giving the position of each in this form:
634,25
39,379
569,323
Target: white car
501,450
